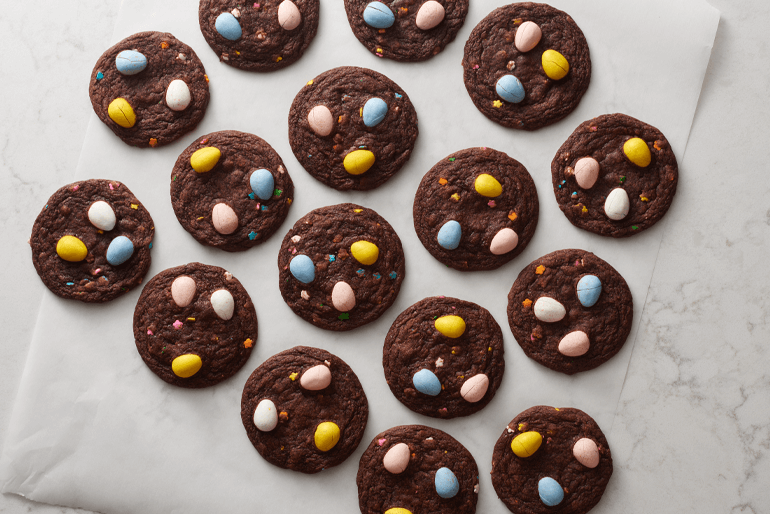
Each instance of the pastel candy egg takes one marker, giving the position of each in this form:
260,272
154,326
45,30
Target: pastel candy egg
527,36
549,310
430,14
446,482
316,378
178,95
449,235
398,510
223,303
183,290
224,219
526,444
121,112
374,111
266,416
396,459
321,120
343,297
358,161
130,62
327,434
426,382
589,287
510,89
365,252
289,16
120,250
504,241
475,388
487,185
586,452
205,159
450,326
574,344
228,27
637,152
378,15
71,249
262,183
617,204
555,65
186,365
302,268
550,491
586,172
101,215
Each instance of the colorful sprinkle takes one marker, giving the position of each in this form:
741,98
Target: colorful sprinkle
248,343
475,66
634,227
393,275
332,258
455,197
190,319
492,203
164,45
264,207
343,316
252,235
99,75
149,332
380,442
512,216
527,302
540,270
377,276
497,103
178,324
399,96
358,210
360,271
134,206
452,159
592,129
153,142
277,192
293,376
574,194
644,198
251,195
309,82
442,181
70,283
622,179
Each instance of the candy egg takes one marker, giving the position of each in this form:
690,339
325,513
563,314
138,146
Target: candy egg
549,310
262,183
526,444
266,416
186,365
289,16
504,241
321,120
101,215
475,388
586,172
510,89
397,458
589,287
205,159
316,378
130,62
365,252
121,112
374,111
178,95
446,482
379,16
358,161
398,510
527,36
228,27
449,235
224,219
574,344
430,14
550,491
637,152
327,434
71,249
183,290
343,297
555,65
450,326
487,185
120,250
426,382
302,268
586,452
617,204
223,303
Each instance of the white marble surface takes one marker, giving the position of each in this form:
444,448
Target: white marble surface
691,433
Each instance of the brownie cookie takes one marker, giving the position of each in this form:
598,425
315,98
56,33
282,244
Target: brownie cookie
476,209
570,311
194,325
230,190
406,30
526,65
352,128
92,240
304,410
340,266
551,460
443,357
614,176
150,89
259,36
413,469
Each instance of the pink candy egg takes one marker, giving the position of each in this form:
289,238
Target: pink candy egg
527,36
586,452
224,219
316,378
586,172
430,14
183,290
574,344
289,16
343,297
504,241
397,458
321,120
475,388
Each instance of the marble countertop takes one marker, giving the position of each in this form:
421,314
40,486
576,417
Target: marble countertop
692,431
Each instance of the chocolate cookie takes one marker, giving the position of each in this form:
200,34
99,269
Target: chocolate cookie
413,469
551,460
352,128
194,325
92,240
304,409
526,65
406,30
443,357
476,209
614,176
340,267
259,36
149,89
570,311
230,190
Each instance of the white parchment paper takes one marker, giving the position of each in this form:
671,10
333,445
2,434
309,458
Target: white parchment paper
93,427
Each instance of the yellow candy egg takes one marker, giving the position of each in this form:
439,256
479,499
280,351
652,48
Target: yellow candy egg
487,185
451,326
121,112
365,252
637,152
205,159
526,444
398,510
71,249
358,161
186,365
327,435
555,65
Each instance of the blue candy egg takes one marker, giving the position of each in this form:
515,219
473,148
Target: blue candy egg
379,15
588,290
509,88
426,382
375,110
262,183
449,235
228,27
550,491
120,250
302,268
447,485
130,62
